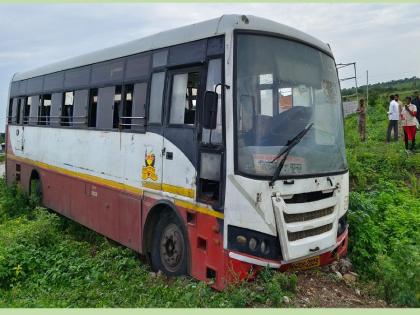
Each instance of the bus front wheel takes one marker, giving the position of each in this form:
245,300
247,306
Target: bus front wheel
169,247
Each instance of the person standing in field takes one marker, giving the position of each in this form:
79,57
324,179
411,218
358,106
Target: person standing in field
416,99
393,116
416,102
400,108
408,117
362,119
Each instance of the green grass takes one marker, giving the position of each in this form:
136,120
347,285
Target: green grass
384,210
49,261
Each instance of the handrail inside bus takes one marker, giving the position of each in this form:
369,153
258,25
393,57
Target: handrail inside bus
57,119
133,117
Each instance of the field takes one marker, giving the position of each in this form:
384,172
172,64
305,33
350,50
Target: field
384,210
49,261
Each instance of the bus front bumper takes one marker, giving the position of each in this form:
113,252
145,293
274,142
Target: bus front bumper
325,257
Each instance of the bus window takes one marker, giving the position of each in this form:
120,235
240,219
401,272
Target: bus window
55,111
266,94
116,107
134,106
210,177
47,106
128,107
156,97
107,71
44,110
18,109
214,77
67,109
266,100
106,101
33,113
138,67
285,99
139,105
184,98
27,109
246,113
10,115
93,105
160,58
302,95
80,106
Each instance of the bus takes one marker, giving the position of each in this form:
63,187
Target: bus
214,149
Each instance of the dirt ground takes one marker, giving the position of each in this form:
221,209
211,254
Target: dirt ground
320,288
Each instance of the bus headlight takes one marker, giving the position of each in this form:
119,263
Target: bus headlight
264,248
241,239
346,203
252,244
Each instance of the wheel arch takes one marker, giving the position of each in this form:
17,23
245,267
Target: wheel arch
159,208
35,175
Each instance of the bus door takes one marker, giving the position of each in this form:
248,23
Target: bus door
180,135
210,178
18,107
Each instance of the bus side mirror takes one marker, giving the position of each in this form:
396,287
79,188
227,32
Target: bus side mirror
210,110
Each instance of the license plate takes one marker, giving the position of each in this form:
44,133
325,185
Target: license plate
305,264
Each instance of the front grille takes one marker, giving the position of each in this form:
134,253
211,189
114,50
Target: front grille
294,236
309,197
300,217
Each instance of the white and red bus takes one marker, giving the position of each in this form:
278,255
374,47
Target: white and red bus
213,149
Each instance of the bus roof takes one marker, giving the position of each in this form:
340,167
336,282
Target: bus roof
209,28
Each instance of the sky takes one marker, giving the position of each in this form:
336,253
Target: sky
383,39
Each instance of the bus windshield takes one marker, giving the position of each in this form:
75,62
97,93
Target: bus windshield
283,86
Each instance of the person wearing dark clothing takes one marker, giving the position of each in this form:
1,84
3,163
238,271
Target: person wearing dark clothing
416,102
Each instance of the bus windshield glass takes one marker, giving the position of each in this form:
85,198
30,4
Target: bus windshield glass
282,87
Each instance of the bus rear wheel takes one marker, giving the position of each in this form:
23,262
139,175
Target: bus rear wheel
169,247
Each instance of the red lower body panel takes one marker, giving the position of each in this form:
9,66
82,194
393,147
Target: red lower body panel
108,211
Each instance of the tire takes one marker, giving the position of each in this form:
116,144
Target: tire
169,251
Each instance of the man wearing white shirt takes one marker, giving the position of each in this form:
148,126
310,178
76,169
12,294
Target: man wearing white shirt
393,116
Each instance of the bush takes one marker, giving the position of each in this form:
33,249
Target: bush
384,212
13,202
24,246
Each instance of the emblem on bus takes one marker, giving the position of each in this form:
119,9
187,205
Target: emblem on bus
148,170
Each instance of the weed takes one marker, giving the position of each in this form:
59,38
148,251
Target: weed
384,213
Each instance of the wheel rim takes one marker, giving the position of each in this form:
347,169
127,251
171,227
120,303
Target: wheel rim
172,247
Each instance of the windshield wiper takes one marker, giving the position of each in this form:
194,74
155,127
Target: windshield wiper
285,152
